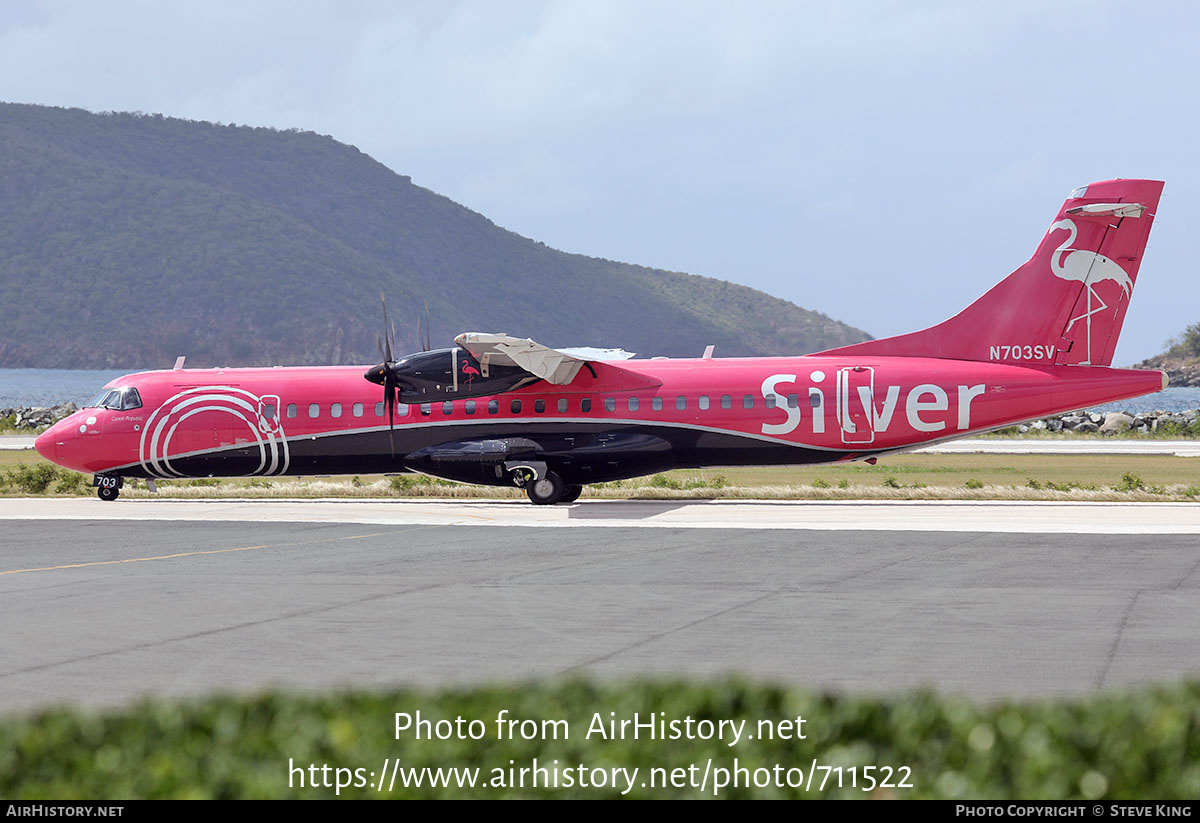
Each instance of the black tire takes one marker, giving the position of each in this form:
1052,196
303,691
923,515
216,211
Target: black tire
109,493
571,494
545,491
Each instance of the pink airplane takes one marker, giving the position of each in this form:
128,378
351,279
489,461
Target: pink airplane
553,420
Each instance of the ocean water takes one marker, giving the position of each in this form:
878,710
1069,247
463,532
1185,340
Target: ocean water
49,387
1172,400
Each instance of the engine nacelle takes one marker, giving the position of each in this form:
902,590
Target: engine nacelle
449,373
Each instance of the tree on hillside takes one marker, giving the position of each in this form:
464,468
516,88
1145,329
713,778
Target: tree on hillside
1185,345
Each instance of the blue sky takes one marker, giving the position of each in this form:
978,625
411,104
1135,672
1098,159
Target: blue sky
882,162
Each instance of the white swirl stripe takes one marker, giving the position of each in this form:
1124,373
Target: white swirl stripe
155,446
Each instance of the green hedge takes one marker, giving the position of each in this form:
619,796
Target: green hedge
1138,745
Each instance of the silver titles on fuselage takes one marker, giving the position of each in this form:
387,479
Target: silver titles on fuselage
862,409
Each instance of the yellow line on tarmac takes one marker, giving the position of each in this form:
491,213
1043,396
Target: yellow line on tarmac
185,554
133,560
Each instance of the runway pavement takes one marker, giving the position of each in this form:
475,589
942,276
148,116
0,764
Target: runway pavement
898,515
16,442
104,609
991,445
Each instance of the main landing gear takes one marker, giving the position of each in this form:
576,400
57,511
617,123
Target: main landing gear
545,488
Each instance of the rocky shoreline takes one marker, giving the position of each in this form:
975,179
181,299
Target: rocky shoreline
36,417
1118,422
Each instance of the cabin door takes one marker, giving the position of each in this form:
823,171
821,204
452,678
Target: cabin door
855,399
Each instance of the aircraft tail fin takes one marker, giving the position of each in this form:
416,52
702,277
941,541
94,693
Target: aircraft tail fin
1063,307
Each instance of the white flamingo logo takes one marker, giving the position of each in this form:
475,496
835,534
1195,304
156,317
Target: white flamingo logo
1089,268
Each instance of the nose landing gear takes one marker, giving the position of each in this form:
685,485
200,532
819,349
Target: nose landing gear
108,486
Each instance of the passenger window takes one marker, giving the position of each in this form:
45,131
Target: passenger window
314,410
748,401
610,404
726,401
401,410
379,409
656,403
269,411
814,398
358,409
447,407
469,407
633,404
770,401
426,409
516,407
335,410
292,411
585,405
562,405
681,402
703,402
539,406
793,401
493,406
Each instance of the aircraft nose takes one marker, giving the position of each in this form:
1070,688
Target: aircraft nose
47,443
64,444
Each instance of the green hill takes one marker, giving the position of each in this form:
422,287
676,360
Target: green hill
129,239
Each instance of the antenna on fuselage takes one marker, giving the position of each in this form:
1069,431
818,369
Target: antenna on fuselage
179,362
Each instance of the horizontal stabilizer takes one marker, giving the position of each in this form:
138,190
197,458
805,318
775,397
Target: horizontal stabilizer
1108,210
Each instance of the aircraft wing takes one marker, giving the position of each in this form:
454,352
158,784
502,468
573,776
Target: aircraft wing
557,366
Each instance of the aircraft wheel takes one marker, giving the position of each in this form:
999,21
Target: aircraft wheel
108,493
571,494
546,490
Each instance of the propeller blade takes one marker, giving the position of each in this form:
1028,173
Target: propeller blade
389,388
427,343
387,376
387,353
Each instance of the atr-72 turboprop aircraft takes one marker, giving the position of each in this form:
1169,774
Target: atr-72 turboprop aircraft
502,411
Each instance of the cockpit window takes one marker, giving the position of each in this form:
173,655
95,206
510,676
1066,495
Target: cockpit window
101,401
117,399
